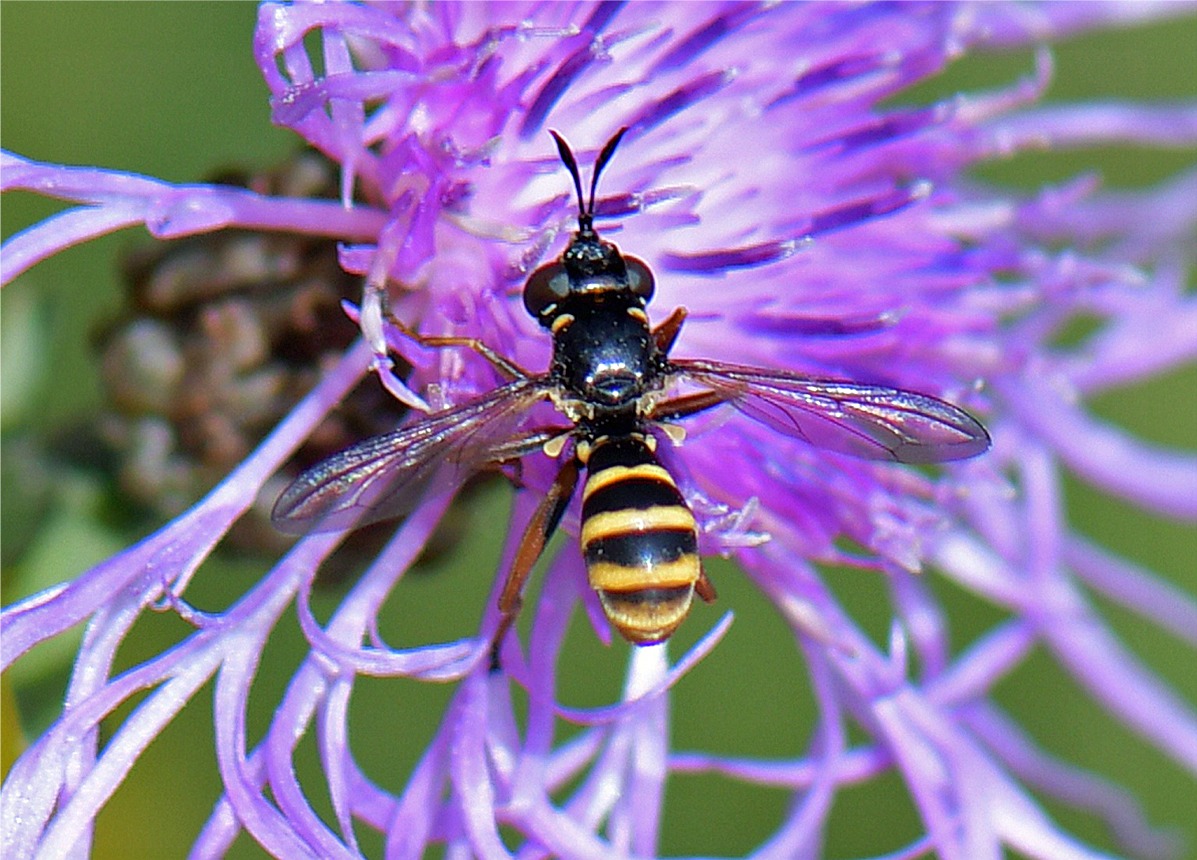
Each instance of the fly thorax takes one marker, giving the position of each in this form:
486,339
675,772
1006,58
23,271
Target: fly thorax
604,353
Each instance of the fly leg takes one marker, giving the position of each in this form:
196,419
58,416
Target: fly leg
666,333
509,370
540,528
689,404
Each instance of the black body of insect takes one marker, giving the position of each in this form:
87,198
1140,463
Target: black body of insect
610,377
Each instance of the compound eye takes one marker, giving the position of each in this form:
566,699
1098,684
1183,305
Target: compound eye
546,287
640,278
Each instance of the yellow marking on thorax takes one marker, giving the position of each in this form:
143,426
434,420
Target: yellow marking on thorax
614,474
675,432
553,447
633,521
560,322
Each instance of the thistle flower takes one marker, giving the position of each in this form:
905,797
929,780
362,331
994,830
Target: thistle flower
808,225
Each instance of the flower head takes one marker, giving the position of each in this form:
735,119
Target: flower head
808,226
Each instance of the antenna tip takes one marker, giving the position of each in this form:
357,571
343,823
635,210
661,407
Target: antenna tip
571,164
563,149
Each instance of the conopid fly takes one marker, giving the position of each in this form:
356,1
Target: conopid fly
610,379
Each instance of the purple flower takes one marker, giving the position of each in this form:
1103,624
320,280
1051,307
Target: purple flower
807,224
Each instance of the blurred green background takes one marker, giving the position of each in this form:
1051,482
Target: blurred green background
170,90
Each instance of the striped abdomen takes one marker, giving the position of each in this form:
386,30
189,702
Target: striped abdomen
639,539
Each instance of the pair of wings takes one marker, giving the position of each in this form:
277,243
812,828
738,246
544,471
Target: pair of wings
384,477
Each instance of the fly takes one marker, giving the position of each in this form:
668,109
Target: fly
609,377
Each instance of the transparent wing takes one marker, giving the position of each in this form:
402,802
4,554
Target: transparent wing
383,477
868,421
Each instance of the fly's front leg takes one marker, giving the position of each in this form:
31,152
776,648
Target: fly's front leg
509,370
666,333
540,528
690,404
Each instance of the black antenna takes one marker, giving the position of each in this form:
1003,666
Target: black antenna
586,213
571,164
601,162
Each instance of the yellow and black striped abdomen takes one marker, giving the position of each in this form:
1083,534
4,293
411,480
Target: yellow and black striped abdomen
639,540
